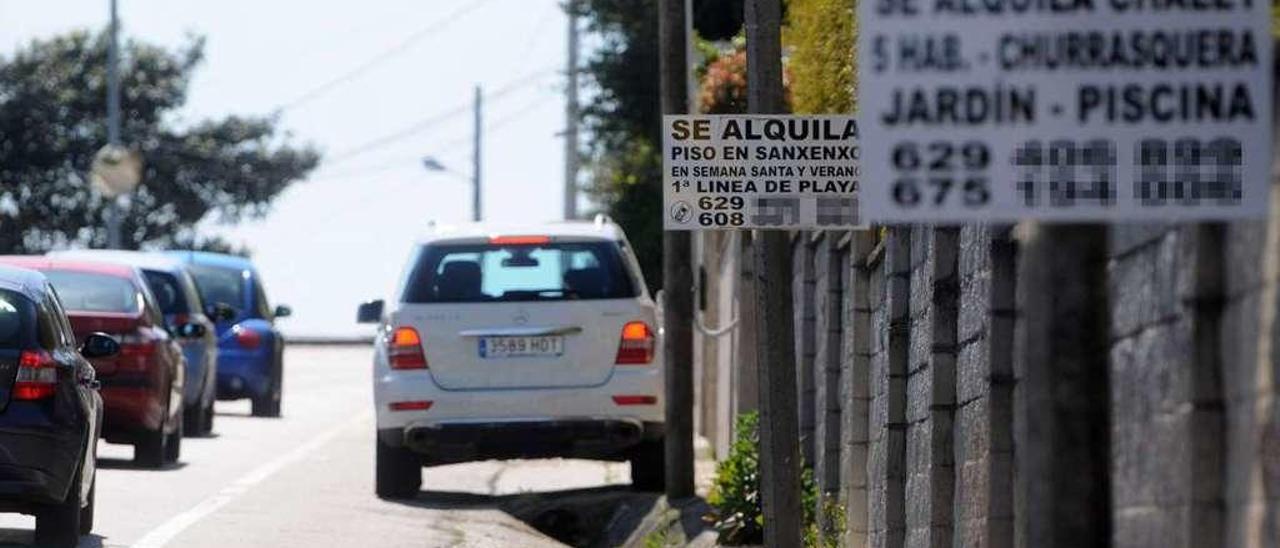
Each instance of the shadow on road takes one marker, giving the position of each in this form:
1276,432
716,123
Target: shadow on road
25,537
598,516
107,463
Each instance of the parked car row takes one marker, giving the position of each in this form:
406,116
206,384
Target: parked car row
128,347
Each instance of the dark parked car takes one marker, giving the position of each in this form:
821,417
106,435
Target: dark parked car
180,302
250,348
142,386
50,410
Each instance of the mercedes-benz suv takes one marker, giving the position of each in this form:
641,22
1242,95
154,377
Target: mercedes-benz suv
517,342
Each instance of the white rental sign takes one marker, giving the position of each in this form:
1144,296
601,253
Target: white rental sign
1068,110
760,171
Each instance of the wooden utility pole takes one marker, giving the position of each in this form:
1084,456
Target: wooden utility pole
775,335
1061,363
677,273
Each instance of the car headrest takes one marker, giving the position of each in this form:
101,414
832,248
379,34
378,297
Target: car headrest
459,280
588,283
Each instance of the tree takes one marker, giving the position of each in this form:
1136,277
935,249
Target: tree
823,36
52,121
723,85
623,121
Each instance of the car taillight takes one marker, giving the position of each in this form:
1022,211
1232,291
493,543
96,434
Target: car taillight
637,344
417,405
405,349
248,339
520,240
634,399
37,376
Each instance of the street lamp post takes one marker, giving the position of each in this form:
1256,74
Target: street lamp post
433,164
476,214
113,123
115,170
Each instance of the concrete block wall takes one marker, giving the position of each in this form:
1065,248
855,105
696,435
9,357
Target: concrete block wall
886,460
1166,396
863,302
956,392
802,291
984,390
1251,382
828,329
931,376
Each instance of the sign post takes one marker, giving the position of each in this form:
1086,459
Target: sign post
775,333
677,277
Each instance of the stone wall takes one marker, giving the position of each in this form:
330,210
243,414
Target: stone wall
1043,385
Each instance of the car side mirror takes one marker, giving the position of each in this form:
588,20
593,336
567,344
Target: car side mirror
370,312
99,345
283,311
191,331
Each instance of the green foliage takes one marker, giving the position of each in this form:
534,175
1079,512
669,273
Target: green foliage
622,119
826,532
735,492
823,35
658,539
52,121
735,495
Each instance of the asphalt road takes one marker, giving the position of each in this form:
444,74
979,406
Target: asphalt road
307,480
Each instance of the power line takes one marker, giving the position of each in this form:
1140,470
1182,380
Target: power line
534,37
419,126
443,148
500,122
398,49
401,134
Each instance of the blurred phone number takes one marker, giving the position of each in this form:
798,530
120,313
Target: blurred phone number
1063,173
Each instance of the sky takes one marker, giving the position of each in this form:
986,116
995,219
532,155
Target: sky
377,85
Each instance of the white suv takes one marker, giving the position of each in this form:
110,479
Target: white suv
517,342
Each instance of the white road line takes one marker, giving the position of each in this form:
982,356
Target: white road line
160,536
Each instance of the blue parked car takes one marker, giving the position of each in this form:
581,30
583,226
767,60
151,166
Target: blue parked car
180,302
250,348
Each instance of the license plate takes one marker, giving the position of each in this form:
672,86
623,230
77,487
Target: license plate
521,347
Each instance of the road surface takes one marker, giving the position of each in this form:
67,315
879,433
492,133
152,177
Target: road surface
307,480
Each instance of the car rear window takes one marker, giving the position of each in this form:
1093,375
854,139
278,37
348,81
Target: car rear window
219,285
93,292
168,293
15,319
519,272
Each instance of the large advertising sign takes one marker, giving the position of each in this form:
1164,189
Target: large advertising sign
1069,110
760,171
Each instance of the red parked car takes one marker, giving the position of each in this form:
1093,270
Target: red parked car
141,386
